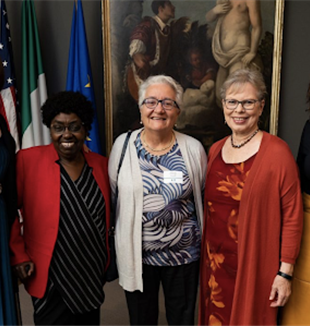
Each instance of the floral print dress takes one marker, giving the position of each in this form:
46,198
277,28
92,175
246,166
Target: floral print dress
219,260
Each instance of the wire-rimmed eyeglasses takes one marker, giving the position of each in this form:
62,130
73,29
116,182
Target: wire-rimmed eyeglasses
167,103
232,104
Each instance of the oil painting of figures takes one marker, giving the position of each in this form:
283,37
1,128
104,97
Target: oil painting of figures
198,43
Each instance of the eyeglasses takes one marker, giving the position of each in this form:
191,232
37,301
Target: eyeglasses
232,104
72,127
167,103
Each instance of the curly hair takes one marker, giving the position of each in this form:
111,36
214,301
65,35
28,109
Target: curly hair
68,102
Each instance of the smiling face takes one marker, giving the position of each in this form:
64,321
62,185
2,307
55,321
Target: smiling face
68,144
158,119
240,121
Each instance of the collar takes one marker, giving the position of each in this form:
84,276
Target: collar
161,24
55,157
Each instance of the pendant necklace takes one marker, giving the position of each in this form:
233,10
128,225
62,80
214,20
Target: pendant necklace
154,149
245,142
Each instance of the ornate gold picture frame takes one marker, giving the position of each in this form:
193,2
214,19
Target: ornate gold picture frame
119,18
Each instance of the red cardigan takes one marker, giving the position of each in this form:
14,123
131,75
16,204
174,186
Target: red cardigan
270,227
38,190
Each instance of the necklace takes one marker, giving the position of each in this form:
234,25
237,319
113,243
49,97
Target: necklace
245,142
154,149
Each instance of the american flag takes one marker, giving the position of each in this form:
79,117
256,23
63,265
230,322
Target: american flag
8,92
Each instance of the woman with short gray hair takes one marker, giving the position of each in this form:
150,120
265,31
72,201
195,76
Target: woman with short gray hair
159,208
253,215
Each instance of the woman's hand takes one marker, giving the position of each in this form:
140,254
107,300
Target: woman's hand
24,270
140,60
280,291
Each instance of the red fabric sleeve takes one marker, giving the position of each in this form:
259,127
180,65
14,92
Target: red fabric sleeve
17,244
291,211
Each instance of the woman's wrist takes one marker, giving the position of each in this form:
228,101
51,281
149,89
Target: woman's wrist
284,275
286,270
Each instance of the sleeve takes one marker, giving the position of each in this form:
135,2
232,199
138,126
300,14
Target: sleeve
203,165
113,163
136,46
214,148
142,32
197,164
104,166
211,151
291,208
17,244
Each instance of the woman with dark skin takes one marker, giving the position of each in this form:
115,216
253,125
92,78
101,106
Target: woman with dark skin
63,194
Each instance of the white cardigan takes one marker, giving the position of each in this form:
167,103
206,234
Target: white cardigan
128,235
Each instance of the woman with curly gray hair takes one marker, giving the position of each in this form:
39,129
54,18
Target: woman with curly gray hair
64,197
159,208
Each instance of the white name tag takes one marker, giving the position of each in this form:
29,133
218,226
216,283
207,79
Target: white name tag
173,177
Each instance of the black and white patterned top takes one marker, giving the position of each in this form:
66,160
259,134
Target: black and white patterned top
170,231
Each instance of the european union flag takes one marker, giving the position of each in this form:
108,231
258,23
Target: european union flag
79,76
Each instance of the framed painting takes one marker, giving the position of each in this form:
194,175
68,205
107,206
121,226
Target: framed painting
191,51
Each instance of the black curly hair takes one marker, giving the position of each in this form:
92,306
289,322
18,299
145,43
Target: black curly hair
68,102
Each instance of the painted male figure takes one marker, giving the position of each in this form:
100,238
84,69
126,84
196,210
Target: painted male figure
150,45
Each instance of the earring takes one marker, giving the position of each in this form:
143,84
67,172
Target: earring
141,123
175,125
225,122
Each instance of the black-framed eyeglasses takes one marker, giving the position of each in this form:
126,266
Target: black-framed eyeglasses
74,127
167,103
232,104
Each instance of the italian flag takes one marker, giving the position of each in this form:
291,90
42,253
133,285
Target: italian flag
34,93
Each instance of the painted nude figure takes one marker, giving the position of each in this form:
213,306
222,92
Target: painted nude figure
236,36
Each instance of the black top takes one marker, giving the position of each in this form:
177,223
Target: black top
303,158
9,181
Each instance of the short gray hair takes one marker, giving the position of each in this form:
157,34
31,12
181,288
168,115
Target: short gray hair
161,79
243,76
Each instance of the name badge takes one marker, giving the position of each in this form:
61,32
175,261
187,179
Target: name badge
173,177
